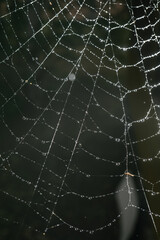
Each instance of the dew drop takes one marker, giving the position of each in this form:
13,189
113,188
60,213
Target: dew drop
88,175
79,145
118,164
72,77
153,193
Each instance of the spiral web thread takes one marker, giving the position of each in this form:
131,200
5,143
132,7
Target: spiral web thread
69,73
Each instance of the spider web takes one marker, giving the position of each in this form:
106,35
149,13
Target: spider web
80,110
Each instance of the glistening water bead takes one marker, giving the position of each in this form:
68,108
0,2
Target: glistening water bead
71,77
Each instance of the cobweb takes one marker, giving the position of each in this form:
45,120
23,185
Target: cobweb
80,113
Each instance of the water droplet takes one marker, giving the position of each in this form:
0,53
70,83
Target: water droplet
117,140
88,175
153,193
72,77
118,164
